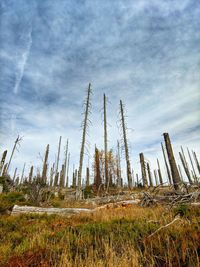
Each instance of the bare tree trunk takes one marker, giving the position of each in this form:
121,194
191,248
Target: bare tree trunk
185,168
87,177
149,174
62,176
128,165
194,172
57,161
13,150
14,175
159,172
156,177
143,170
30,177
85,124
119,178
52,174
180,172
172,162
75,179
67,180
105,141
137,178
166,165
45,165
3,161
4,172
65,162
196,161
23,170
97,177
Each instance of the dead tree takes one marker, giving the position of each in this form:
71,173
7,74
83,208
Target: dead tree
187,172
23,170
14,175
194,172
119,178
62,176
52,174
74,182
17,141
159,173
172,162
85,125
143,170
67,178
4,172
128,165
166,165
180,172
196,161
45,165
87,177
30,176
137,178
97,172
65,162
156,177
149,174
105,141
3,161
57,163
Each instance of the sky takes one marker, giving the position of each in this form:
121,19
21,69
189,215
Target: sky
144,52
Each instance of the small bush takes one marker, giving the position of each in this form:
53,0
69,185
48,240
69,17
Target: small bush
8,200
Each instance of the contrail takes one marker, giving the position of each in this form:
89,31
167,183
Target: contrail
22,63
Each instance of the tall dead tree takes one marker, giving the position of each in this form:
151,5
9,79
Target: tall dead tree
62,176
4,172
85,125
17,141
74,182
57,163
185,166
191,162
166,165
196,161
180,172
137,178
67,178
23,170
65,162
149,174
97,171
52,174
30,176
128,165
3,161
172,162
45,165
159,173
105,141
119,178
143,170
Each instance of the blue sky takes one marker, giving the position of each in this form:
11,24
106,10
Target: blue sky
145,52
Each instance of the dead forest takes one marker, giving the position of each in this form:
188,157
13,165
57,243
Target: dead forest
105,176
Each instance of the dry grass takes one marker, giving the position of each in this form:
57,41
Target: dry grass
107,237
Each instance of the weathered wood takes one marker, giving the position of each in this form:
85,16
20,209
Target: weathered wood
149,174
143,170
45,165
191,162
159,173
166,165
57,163
172,162
3,161
187,172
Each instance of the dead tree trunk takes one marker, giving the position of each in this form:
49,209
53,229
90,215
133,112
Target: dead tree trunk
143,170
67,178
58,158
85,124
62,176
30,177
149,174
4,172
156,177
172,162
194,172
45,165
196,161
87,177
52,174
128,165
105,141
159,173
166,165
97,177
65,162
23,170
185,168
75,179
119,178
14,175
137,178
13,150
180,172
3,161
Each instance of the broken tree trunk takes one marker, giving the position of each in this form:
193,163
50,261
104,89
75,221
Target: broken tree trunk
14,175
3,161
156,177
65,162
105,141
85,124
196,161
97,177
191,162
128,165
45,165
159,173
187,172
13,150
57,160
172,162
166,165
149,174
87,177
67,178
143,170
30,176
119,178
23,170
